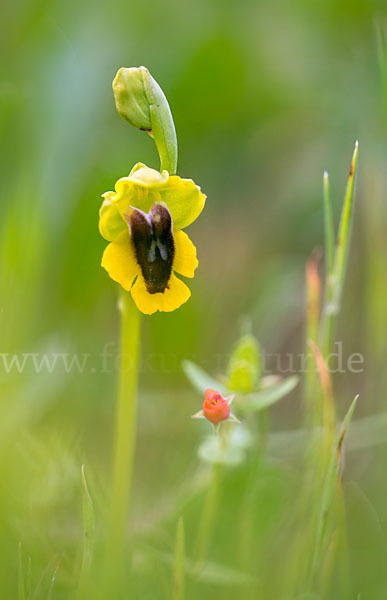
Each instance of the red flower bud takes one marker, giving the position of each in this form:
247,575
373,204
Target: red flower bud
215,407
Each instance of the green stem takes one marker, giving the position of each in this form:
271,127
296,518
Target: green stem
207,518
125,433
163,127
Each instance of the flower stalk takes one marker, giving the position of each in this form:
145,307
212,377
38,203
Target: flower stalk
125,428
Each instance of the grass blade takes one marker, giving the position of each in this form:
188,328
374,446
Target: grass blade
88,524
52,582
329,229
29,579
313,297
343,239
312,397
329,419
335,280
21,583
345,424
178,572
329,490
381,37
88,535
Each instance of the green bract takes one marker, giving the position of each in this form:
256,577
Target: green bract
244,366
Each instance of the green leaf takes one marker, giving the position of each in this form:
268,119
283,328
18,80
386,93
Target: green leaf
267,397
200,379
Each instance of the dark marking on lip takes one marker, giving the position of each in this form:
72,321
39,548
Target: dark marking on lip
154,246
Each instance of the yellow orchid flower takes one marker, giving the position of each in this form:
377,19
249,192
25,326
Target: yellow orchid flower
143,221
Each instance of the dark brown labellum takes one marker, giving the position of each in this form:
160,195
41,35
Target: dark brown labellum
154,245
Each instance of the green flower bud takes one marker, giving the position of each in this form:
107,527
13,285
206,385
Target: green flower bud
244,366
142,103
130,96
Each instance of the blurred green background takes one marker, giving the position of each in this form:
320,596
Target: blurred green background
265,97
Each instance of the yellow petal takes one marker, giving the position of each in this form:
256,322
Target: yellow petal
140,189
173,296
130,194
145,186
185,261
147,177
184,199
111,223
120,262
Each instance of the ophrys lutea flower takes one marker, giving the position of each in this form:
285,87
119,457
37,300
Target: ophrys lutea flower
143,221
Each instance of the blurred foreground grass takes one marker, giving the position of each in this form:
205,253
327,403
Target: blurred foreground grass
265,97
